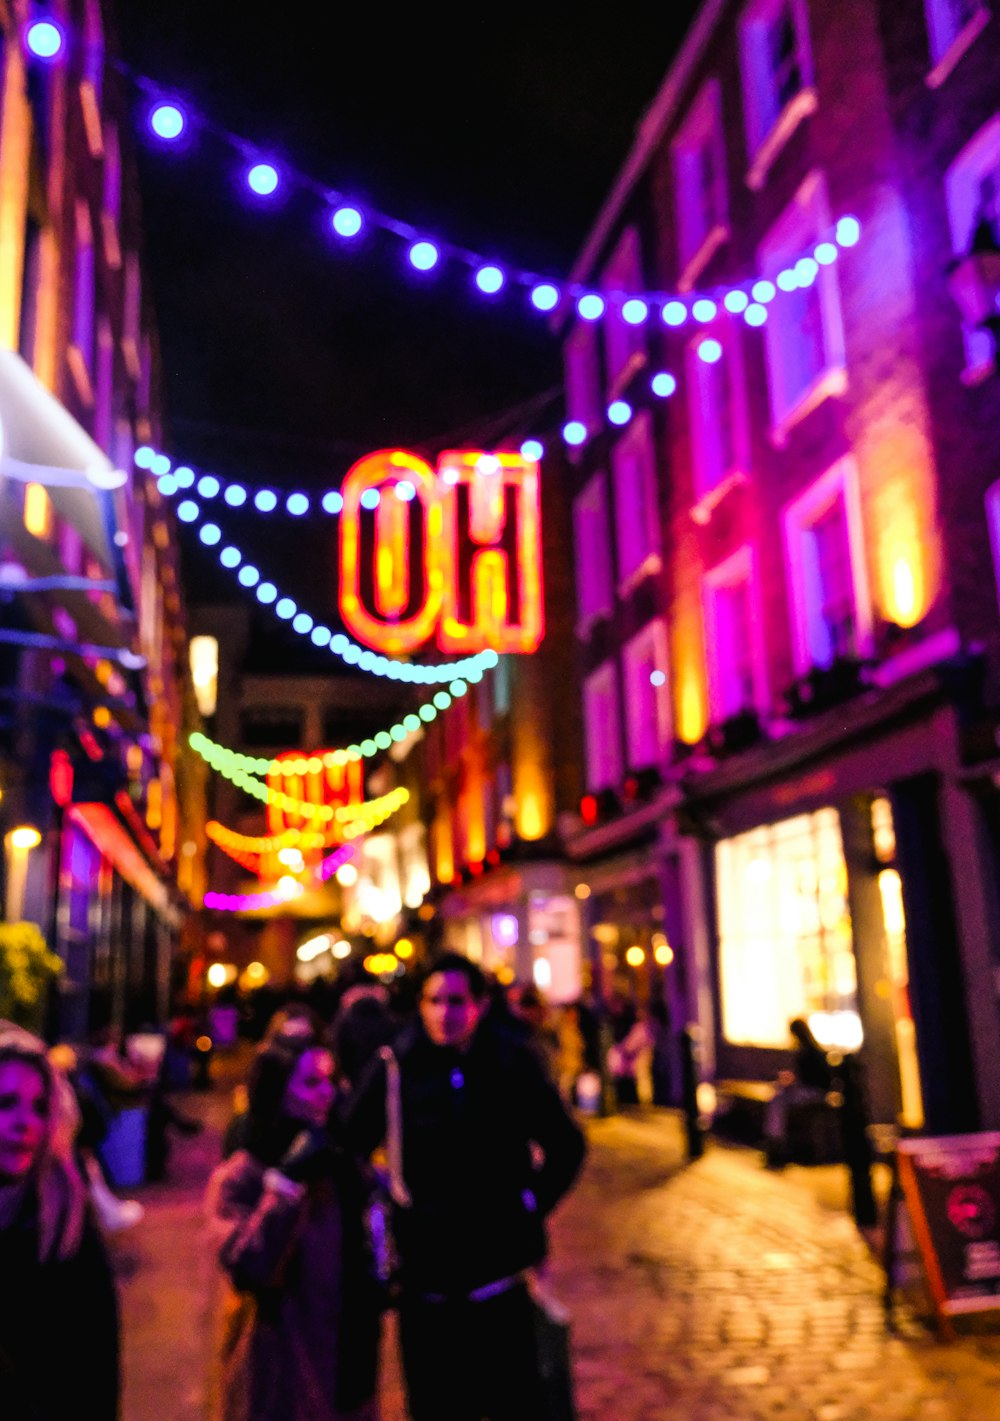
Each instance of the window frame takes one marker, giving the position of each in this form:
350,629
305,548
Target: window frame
947,44
765,141
704,413
739,569
605,764
798,519
979,156
648,644
624,345
631,571
810,205
581,361
593,504
702,128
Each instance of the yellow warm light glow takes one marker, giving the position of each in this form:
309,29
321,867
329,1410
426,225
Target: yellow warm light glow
346,875
342,948
205,672
15,166
37,510
102,717
905,597
663,953
256,974
404,948
635,957
217,974
154,805
24,837
532,821
691,721
379,964
582,891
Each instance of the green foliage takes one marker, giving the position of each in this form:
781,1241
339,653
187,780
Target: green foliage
27,969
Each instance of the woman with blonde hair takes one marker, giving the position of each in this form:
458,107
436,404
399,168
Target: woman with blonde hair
58,1310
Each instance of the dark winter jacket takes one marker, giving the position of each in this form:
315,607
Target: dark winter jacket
58,1329
300,1321
488,1151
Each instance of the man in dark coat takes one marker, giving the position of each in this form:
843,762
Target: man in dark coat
487,1151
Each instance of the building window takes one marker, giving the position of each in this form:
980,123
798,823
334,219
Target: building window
777,72
647,696
734,640
592,533
972,192
583,381
824,543
602,728
637,526
786,948
621,277
717,410
700,176
952,25
804,333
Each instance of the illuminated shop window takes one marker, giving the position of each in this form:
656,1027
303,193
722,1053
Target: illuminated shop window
716,406
637,521
776,64
785,942
647,695
733,637
602,728
592,532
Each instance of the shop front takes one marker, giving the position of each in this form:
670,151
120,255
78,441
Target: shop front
844,884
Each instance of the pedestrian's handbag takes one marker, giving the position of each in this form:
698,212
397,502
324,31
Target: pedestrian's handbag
389,1191
552,1333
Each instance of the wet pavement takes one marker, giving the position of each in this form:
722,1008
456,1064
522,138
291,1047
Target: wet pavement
705,1291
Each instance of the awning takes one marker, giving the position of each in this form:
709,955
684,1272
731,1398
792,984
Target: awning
106,832
41,442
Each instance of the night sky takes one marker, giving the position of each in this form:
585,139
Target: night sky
285,357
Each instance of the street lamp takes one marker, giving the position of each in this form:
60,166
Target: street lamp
974,281
19,843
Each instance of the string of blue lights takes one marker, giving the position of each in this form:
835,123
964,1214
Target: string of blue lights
171,120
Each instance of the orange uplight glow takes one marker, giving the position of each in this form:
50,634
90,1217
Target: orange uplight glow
472,610
382,471
323,780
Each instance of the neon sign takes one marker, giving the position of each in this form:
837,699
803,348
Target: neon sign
456,551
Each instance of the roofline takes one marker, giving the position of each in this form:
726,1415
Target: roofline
649,131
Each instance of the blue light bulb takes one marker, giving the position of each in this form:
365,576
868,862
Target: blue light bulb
144,457
710,351
762,292
160,465
786,280
370,498
736,302
366,661
532,450
302,623
320,636
230,557
286,608
423,256
590,307
574,432
339,644
265,501
332,502
297,504
44,39
347,221
807,270
826,254
248,575
619,412
704,311
188,511
262,179
755,314
167,121
405,491
634,312
208,486
848,232
663,384
210,534
490,280
184,476
167,485
266,592
544,296
675,313
235,495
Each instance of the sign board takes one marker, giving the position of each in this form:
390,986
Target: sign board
951,1185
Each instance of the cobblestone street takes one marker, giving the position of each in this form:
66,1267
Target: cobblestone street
718,1290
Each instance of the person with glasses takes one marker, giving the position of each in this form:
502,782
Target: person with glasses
481,1149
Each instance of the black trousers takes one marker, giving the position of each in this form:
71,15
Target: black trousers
472,1361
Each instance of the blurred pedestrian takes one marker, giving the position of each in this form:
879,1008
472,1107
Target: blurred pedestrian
58,1309
630,1060
529,1008
481,1149
364,1021
808,1083
295,1024
286,1214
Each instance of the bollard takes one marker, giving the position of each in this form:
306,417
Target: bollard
687,1041
857,1145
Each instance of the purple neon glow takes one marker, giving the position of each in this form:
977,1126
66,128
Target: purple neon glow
243,902
44,39
167,121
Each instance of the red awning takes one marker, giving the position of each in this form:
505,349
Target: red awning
105,831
